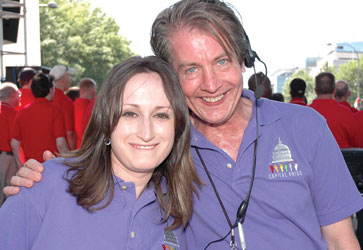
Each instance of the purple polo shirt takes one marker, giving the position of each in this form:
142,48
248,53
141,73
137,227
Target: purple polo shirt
301,182
47,217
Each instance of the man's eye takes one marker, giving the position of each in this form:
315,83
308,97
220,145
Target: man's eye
222,61
191,70
162,115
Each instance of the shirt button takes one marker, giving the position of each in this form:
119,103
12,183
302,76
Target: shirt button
123,187
132,234
229,165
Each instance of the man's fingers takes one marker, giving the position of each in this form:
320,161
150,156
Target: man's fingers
47,155
27,173
21,182
32,165
10,190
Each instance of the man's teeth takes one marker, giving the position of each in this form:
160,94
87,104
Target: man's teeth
213,99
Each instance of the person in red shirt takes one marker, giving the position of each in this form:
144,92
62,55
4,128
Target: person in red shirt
62,82
25,77
9,100
297,91
40,125
342,93
87,91
340,119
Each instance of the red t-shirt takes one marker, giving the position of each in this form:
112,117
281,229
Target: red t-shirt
37,126
7,117
359,118
87,114
26,98
299,101
354,110
66,104
80,106
340,120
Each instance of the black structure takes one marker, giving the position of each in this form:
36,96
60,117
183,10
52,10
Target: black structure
11,26
354,159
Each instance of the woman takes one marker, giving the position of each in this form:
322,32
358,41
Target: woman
129,186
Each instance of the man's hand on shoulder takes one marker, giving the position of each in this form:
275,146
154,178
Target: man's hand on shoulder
26,175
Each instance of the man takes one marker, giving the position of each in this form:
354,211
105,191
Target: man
297,91
292,206
342,93
87,91
339,118
40,125
9,100
62,82
25,77
261,78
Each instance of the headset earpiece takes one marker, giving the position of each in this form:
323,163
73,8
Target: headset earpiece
250,55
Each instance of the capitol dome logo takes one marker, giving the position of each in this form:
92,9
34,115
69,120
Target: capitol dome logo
283,165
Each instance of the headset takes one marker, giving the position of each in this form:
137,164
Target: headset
249,61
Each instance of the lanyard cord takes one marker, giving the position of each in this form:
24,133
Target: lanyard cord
232,242
215,189
242,210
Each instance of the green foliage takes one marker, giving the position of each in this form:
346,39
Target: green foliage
309,92
349,73
327,68
75,36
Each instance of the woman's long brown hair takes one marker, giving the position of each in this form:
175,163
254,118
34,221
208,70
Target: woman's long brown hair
90,175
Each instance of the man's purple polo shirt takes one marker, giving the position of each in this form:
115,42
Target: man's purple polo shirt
47,217
301,183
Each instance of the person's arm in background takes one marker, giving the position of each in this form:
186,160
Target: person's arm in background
340,235
15,146
25,177
62,145
72,139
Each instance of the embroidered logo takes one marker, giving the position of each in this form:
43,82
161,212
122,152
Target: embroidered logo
283,165
170,241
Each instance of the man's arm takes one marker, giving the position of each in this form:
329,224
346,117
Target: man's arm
62,145
15,146
340,235
72,139
25,177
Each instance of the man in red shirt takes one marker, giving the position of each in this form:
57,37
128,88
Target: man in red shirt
40,125
340,119
25,77
9,100
87,91
297,91
62,82
342,93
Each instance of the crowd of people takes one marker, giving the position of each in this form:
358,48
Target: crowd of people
41,116
177,155
344,121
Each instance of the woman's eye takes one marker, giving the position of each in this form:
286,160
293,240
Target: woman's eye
129,114
162,115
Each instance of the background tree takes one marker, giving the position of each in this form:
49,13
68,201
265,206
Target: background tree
309,91
87,40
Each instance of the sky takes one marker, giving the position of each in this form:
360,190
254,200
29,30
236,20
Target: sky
282,32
